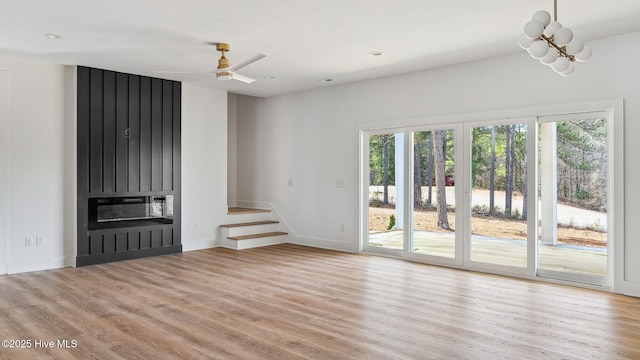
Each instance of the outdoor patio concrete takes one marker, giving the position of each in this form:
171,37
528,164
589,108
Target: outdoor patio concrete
508,252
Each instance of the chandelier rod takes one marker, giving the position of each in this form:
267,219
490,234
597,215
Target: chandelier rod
555,10
560,49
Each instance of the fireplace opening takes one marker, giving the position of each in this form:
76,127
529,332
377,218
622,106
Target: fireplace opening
116,212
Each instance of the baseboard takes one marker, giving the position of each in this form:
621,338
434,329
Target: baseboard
322,243
200,244
21,266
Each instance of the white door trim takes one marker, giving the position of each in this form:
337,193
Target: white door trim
616,167
4,170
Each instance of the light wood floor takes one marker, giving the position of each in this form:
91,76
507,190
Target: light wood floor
292,302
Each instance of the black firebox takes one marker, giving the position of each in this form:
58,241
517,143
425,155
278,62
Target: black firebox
116,212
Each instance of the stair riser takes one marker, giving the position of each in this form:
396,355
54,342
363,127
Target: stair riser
252,243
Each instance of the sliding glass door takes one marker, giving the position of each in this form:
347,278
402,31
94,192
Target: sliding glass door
501,206
434,212
385,192
573,242
528,197
411,193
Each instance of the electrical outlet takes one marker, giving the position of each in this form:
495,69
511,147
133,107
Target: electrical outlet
39,240
340,183
290,182
341,227
196,226
28,241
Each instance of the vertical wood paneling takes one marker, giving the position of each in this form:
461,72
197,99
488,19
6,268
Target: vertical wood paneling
134,133
177,146
156,135
121,242
145,239
145,134
95,244
110,163
134,240
167,135
122,141
109,243
167,237
109,156
156,238
96,125
83,112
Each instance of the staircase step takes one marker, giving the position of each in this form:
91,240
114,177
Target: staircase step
256,236
254,223
245,210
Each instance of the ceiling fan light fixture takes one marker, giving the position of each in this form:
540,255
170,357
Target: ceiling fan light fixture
225,75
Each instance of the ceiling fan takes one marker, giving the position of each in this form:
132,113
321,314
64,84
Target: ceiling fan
225,71
228,72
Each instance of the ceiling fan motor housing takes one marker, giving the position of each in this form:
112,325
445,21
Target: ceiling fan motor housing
223,63
222,47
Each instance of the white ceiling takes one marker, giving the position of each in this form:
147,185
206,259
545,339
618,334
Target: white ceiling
305,41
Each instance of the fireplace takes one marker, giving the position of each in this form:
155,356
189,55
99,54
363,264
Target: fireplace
118,212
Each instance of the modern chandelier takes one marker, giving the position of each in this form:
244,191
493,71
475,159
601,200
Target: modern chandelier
552,44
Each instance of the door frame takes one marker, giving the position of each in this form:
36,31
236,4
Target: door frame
4,171
617,226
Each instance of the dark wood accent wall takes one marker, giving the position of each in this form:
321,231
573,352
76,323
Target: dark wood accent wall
128,145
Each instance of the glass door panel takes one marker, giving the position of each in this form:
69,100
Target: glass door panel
573,199
434,182
385,173
499,195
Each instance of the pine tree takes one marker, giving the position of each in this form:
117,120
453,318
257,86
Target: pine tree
439,151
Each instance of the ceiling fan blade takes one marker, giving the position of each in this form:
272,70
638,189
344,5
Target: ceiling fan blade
251,60
244,79
180,72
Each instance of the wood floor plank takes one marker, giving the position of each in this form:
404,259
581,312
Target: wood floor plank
293,302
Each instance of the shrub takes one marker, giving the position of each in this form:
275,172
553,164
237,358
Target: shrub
582,195
480,210
392,222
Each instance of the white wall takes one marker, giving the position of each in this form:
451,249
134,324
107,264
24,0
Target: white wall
40,147
204,165
310,136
